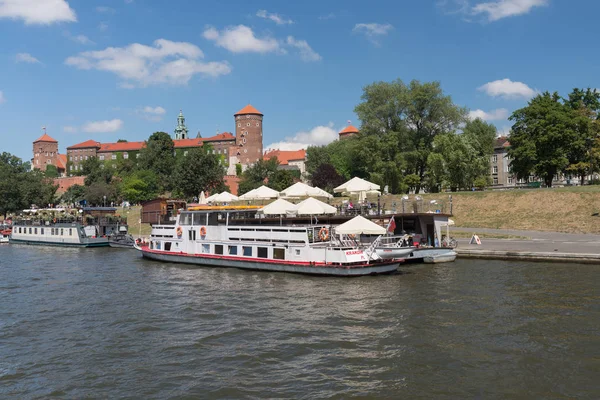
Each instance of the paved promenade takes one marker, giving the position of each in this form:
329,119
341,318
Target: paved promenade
538,246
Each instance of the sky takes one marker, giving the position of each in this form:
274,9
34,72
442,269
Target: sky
122,69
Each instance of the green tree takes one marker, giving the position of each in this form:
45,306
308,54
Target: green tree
258,174
542,137
283,178
199,170
74,194
326,177
414,114
100,193
158,156
51,171
96,171
139,186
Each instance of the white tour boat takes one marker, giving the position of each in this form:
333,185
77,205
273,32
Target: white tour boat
70,234
237,237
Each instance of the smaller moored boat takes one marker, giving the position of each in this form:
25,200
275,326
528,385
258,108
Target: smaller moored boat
121,239
5,235
440,258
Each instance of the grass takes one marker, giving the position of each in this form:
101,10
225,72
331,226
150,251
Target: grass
133,221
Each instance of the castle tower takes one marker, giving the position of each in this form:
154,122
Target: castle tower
181,131
348,131
45,152
248,135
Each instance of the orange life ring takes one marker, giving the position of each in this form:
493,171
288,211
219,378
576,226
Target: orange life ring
203,231
179,231
54,220
324,233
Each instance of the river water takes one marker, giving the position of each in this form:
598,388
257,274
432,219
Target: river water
104,323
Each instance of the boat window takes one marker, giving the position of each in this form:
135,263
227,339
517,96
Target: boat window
19,229
62,231
279,254
185,218
206,248
70,231
167,246
192,234
199,219
213,219
30,231
42,229
297,252
218,249
232,250
35,230
157,245
247,251
262,252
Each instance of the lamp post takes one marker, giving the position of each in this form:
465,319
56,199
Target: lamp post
104,203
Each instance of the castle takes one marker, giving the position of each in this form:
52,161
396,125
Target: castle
245,147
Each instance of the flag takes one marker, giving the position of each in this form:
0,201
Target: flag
391,225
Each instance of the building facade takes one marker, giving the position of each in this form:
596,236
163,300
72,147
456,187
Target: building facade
245,147
348,132
45,152
290,159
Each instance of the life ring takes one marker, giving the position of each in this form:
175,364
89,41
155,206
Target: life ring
324,233
203,231
179,231
54,220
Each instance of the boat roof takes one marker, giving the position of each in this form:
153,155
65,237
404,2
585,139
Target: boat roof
203,207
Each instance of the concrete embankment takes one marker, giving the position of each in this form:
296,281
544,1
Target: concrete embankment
538,246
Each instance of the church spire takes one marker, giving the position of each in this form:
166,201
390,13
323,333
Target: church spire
181,131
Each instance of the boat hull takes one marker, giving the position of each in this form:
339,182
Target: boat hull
273,265
95,243
420,254
393,252
441,258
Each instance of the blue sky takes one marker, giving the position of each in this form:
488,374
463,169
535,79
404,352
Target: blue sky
122,69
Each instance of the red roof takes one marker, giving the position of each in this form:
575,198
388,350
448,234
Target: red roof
188,143
121,146
46,138
85,145
285,156
248,110
502,141
220,136
61,161
348,129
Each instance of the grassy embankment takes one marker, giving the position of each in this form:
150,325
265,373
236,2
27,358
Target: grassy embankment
566,209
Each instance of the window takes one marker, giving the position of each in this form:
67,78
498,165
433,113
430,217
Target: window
232,250
76,167
247,250
86,157
102,157
494,169
218,249
224,151
30,231
510,180
113,157
185,153
71,168
192,234
185,218
70,158
262,252
125,156
62,231
206,248
35,230
279,253
70,231
168,246
495,158
297,252
137,155
495,181
42,231
248,124
257,124
239,125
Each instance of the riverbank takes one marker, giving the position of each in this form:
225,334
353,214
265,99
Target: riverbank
538,246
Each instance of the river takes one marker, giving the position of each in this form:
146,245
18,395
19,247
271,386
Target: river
104,323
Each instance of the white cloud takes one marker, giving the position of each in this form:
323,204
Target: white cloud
129,1
317,136
103,26
278,19
306,52
26,58
494,115
166,62
499,9
153,114
70,129
507,89
373,30
105,10
81,39
241,39
43,12
2,98
112,125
